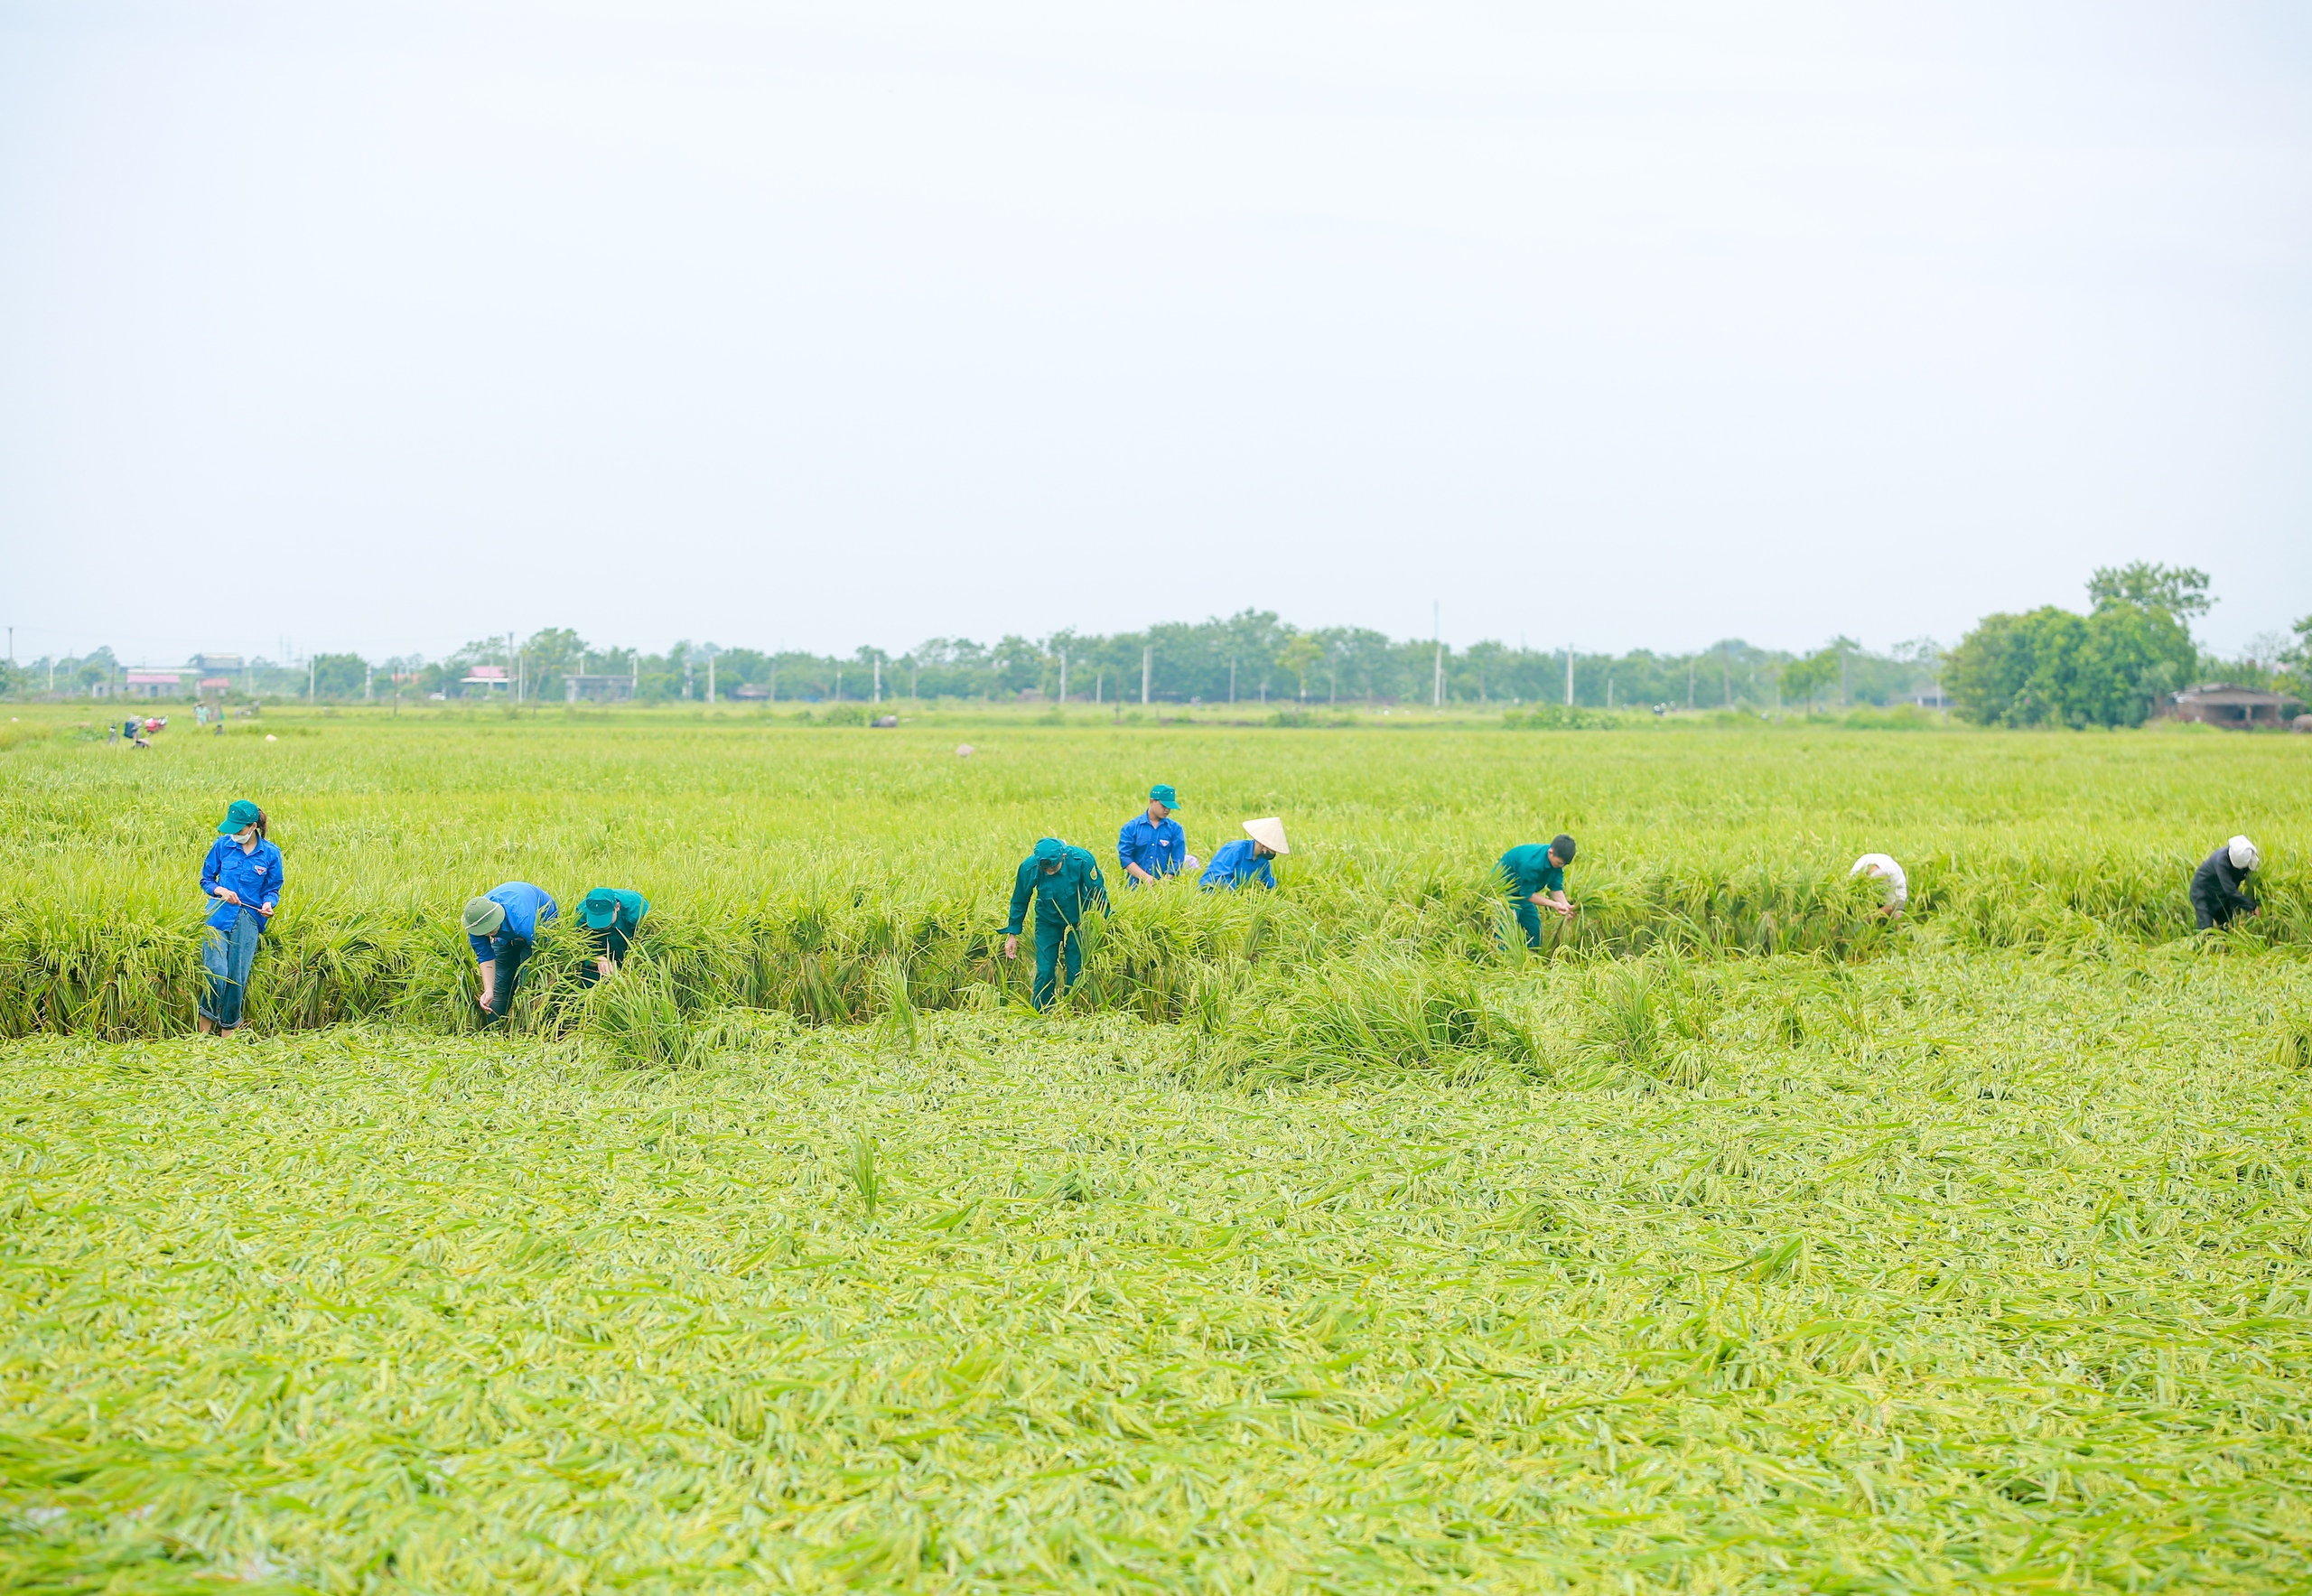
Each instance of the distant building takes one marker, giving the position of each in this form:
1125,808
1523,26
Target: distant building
750,692
2220,703
152,684
486,676
595,688
215,664
216,684
1931,696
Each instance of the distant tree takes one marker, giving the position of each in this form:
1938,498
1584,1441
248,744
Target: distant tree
2053,667
2179,591
339,675
1301,655
1808,679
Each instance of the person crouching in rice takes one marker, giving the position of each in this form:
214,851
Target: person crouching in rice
2220,893
1882,867
241,877
1245,862
612,916
502,924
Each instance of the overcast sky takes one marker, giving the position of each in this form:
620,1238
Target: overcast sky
384,328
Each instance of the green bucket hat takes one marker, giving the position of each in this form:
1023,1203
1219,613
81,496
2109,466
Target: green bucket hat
1162,793
483,915
240,816
596,909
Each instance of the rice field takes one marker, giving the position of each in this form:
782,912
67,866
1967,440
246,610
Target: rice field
1738,1242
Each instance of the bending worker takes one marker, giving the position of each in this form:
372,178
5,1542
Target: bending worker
1152,844
2219,886
1882,867
1537,881
611,915
1064,881
1246,859
503,924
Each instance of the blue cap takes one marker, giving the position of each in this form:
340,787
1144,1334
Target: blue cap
1049,850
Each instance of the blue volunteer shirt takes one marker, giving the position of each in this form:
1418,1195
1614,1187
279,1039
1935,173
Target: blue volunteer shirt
1156,847
527,908
1234,865
254,877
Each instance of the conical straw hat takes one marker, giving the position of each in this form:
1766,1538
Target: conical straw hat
1269,832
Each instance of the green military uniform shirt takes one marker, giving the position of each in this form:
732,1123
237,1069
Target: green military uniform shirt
1060,897
1529,870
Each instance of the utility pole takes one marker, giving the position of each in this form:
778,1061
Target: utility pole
1726,670
1437,673
1232,679
1063,676
1689,683
369,683
710,678
311,675
879,680
1569,676
1147,662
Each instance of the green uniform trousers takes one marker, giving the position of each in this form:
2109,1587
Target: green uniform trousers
1051,938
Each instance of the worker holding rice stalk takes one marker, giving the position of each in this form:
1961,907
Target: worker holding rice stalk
611,915
1536,877
1246,859
242,875
1881,867
1152,845
2219,886
1064,882
503,924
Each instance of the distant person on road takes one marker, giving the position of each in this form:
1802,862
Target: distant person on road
1536,876
1881,867
1064,881
242,878
1151,844
1246,859
2219,886
611,915
503,924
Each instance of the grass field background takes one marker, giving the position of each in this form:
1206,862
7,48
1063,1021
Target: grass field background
1974,1253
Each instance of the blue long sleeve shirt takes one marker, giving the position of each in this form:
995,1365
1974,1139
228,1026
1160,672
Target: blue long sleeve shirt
527,908
1234,864
254,877
1156,847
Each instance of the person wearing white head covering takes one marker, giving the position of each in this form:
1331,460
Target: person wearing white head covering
2219,886
1882,867
1246,859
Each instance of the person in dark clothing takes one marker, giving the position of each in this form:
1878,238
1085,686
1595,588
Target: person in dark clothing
2219,886
612,916
1064,881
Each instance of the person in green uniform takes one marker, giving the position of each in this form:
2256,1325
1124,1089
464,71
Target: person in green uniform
1064,881
1536,877
611,915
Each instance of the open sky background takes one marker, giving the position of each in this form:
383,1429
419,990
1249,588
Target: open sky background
384,328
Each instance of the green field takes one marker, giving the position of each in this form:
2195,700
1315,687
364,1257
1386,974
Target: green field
1738,1242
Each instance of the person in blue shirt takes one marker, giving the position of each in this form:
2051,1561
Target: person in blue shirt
1064,882
1535,876
503,924
1246,859
1152,844
242,877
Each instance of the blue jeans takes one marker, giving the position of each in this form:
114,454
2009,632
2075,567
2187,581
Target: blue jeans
227,956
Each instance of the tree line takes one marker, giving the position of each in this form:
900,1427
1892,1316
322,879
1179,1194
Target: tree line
2110,666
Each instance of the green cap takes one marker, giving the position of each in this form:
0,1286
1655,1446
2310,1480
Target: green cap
240,816
598,910
1050,850
483,915
1162,793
